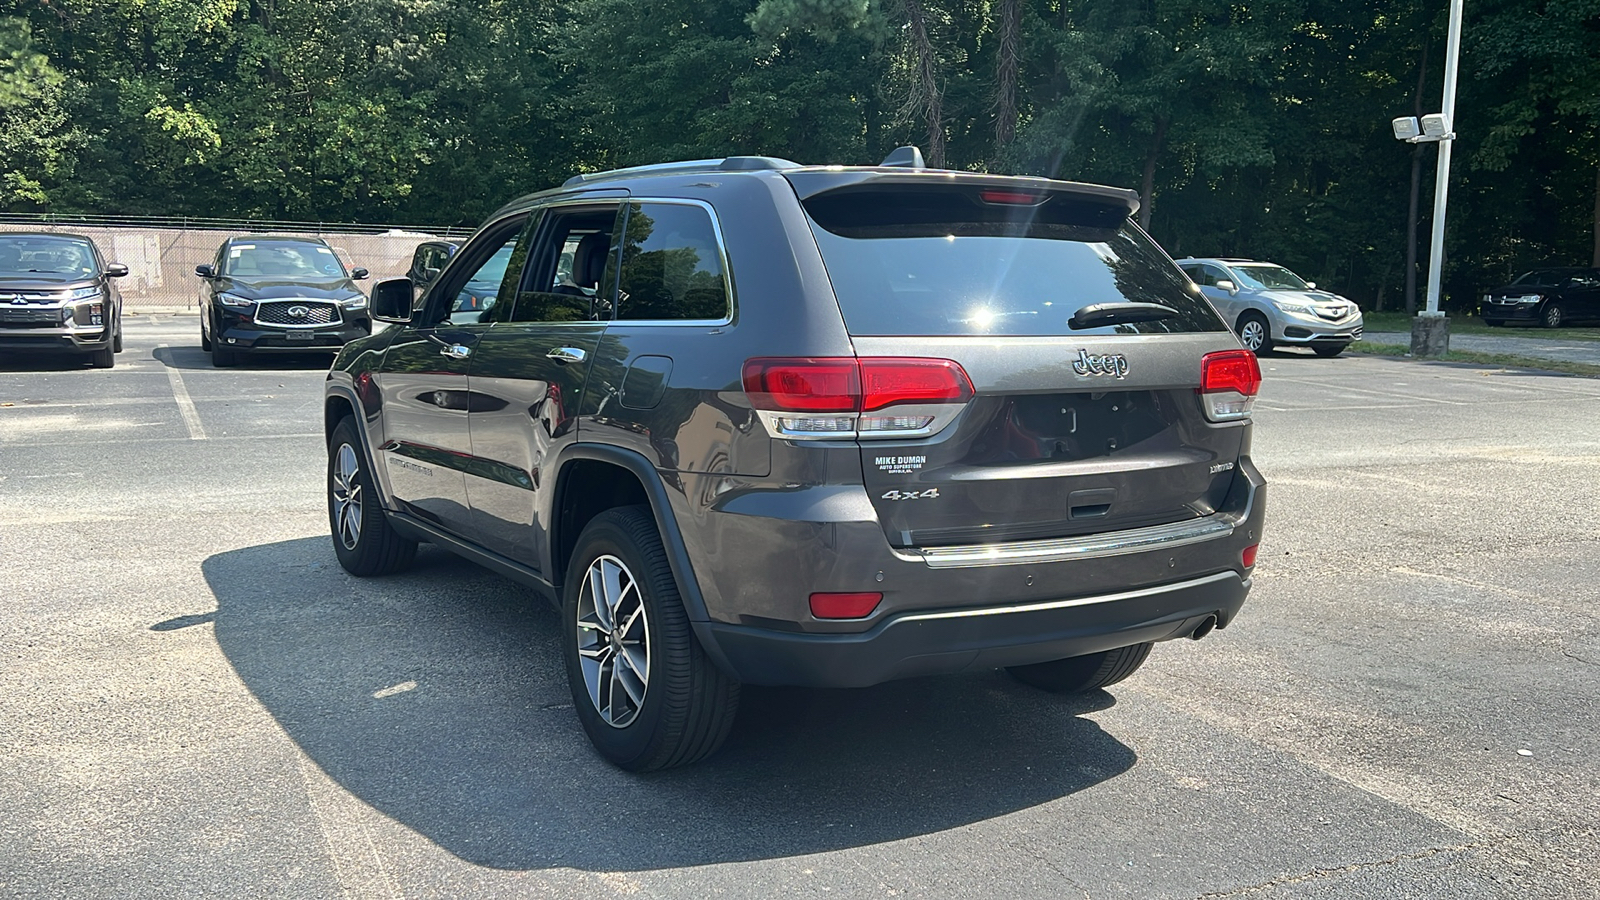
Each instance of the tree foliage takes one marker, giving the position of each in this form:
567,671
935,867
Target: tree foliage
1252,129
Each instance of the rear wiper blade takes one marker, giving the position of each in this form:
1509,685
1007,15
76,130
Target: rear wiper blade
1096,314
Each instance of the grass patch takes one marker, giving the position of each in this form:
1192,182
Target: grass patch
1503,360
1462,324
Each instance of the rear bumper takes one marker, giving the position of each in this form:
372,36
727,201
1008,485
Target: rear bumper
949,609
947,641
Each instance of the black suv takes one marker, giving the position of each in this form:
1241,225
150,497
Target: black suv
58,294
747,421
268,293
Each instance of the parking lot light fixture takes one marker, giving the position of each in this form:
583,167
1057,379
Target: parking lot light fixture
1430,331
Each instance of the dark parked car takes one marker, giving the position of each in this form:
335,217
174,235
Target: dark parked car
266,293
753,422
58,294
427,261
477,295
1549,297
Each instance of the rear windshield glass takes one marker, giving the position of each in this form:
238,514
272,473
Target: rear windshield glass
945,262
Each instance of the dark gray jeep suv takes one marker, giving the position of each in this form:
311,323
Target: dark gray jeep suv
747,421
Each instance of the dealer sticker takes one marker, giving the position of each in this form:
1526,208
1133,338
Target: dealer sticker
899,465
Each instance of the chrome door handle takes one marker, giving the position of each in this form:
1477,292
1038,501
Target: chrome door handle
456,351
567,355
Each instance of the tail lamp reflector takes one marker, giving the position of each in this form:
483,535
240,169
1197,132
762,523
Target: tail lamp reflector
1249,555
844,606
1229,382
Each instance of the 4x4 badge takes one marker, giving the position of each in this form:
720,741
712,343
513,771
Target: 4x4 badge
1107,364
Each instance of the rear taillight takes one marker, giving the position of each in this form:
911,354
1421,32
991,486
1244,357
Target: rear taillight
1229,381
849,397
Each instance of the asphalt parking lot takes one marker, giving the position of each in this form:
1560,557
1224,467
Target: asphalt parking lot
196,701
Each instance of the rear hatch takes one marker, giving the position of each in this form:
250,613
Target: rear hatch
1073,406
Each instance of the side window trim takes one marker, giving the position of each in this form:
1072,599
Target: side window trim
722,254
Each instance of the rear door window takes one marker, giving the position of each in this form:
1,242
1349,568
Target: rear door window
671,264
945,261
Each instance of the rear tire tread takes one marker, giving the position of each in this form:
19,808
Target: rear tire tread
1073,675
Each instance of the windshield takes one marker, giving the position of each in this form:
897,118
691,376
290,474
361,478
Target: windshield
56,258
282,259
943,265
1270,278
1541,276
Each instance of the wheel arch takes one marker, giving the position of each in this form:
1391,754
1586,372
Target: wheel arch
592,478
341,401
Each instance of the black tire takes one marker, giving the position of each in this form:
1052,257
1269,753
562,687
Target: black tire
116,345
685,705
371,546
1084,673
103,358
1328,351
1255,333
223,358
205,338
1553,316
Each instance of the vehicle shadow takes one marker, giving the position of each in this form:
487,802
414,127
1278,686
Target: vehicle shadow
439,698
195,358
39,361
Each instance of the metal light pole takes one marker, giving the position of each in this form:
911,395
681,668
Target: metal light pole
1441,190
1430,330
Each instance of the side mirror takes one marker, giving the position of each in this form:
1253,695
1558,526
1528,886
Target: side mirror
357,274
1312,285
116,270
206,271
1226,285
391,300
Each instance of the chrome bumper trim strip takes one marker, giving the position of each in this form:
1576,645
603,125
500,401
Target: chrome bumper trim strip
1094,546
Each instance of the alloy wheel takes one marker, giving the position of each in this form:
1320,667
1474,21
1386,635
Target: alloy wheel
346,489
1251,334
1552,316
613,641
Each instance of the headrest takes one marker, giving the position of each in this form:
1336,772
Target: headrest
589,260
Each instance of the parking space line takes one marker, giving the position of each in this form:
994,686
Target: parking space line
1345,387
191,416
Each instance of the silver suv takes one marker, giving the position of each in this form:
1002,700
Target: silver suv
1270,305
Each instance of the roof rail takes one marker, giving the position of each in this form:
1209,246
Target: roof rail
729,164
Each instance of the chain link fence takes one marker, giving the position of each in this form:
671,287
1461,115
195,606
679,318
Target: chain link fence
161,253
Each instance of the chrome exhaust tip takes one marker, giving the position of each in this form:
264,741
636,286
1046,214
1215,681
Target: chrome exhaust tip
1204,628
